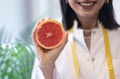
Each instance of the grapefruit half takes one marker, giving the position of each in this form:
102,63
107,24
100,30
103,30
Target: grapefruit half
49,34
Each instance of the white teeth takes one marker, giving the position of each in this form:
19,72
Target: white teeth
87,4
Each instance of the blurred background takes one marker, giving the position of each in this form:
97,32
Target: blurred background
17,19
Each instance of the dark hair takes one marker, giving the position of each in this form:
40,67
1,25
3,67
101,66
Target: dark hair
106,16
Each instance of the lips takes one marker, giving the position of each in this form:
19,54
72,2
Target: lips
87,4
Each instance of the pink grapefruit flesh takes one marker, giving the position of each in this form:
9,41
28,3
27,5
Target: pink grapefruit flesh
49,34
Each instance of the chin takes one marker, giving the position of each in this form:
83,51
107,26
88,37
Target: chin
87,15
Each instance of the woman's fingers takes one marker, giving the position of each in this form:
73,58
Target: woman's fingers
34,37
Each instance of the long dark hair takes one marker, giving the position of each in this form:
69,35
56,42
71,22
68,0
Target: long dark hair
106,15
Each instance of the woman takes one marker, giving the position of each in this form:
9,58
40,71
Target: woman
92,50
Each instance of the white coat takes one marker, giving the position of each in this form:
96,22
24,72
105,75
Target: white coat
92,64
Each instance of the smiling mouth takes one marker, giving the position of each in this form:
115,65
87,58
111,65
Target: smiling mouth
87,4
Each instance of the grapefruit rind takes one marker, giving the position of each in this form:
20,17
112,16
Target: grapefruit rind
39,26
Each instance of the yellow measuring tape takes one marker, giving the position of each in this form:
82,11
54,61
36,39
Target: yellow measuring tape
107,53
74,55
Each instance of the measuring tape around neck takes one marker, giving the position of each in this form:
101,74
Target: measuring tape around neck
107,53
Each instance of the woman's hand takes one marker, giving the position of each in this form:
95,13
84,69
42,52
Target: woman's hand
48,56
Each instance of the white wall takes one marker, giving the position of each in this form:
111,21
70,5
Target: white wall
49,8
15,15
117,10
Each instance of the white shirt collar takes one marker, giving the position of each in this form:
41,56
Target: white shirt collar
78,32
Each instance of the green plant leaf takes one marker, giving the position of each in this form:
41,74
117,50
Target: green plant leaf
16,61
